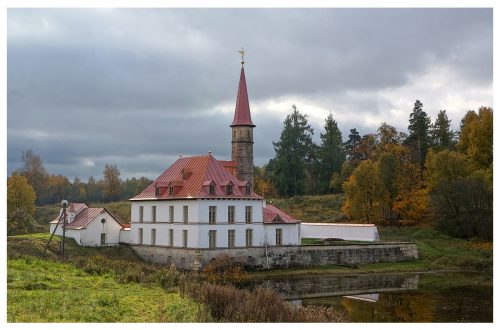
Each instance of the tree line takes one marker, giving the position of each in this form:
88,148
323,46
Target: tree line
51,188
430,174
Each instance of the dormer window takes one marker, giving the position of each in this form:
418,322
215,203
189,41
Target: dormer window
212,189
171,190
157,191
229,189
248,189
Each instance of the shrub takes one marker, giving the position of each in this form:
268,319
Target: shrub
20,222
225,269
229,304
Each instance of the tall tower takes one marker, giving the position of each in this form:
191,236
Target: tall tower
242,131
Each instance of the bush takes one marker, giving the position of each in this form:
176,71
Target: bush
229,304
20,222
225,269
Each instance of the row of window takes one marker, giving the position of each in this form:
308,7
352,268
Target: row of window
212,237
212,214
211,190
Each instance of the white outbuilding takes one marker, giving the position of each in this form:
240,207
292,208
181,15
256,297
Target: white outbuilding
90,226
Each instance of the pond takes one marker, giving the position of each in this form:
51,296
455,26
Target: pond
423,297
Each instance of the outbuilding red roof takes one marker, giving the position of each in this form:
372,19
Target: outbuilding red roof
242,112
205,170
84,215
272,214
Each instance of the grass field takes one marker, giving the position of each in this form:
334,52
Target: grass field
43,288
325,208
49,291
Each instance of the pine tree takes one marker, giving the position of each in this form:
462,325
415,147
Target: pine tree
419,131
442,136
331,153
289,165
352,143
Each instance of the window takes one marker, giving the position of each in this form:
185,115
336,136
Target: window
212,213
185,212
153,213
248,214
230,214
229,189
184,238
212,239
249,237
234,134
140,235
103,238
141,213
279,236
212,189
171,237
171,190
157,191
171,213
153,236
248,189
230,238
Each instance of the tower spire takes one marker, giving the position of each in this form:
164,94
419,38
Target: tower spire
242,130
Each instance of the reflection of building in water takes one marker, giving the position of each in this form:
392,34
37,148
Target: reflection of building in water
352,285
371,297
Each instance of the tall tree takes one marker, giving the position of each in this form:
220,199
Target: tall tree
289,165
418,128
20,206
364,150
35,172
352,142
111,183
362,191
387,135
331,153
476,137
387,170
441,134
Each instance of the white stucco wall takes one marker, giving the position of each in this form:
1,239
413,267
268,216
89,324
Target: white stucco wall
198,225
290,233
125,236
351,232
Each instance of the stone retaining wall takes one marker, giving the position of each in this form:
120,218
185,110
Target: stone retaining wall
282,256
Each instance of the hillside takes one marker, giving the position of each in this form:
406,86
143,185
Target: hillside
106,284
325,208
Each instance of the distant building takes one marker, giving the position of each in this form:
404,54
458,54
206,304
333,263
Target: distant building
90,226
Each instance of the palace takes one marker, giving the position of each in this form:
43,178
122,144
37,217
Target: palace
200,202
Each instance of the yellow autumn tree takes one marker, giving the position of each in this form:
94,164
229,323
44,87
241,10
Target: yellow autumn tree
363,191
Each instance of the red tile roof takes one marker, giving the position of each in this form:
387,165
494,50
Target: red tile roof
205,169
242,112
84,215
272,214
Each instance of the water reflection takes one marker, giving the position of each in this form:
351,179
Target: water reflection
394,297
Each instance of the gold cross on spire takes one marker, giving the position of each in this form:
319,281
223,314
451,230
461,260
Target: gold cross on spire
242,52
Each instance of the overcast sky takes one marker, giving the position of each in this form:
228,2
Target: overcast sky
136,88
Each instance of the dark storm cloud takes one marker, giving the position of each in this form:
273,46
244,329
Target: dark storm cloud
138,87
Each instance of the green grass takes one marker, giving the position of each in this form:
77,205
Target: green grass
50,291
325,208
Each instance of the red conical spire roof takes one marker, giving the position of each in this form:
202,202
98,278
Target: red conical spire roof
242,113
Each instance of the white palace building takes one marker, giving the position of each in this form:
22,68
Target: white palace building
201,207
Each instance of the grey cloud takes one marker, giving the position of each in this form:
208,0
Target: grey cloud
138,87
